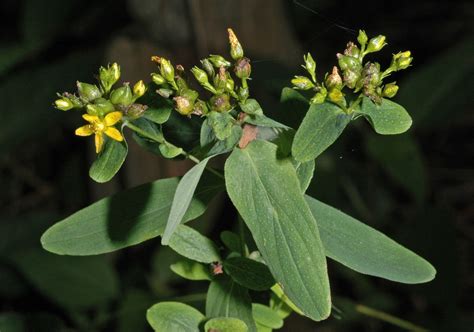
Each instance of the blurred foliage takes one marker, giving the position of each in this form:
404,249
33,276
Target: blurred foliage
418,186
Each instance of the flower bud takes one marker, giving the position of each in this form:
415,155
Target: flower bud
302,83
167,70
100,107
157,79
200,108
75,100
183,105
347,62
181,84
334,80
335,96
376,44
242,68
165,93
236,50
191,94
207,65
310,66
362,38
220,80
220,103
401,60
350,78
352,50
122,95
319,97
390,90
139,89
200,75
109,76
88,92
229,83
63,104
371,74
219,61
135,111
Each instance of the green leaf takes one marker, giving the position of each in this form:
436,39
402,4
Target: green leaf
291,95
174,317
305,172
109,161
170,151
212,145
223,324
12,322
124,219
251,106
231,241
191,270
158,115
263,121
266,192
249,273
225,298
151,129
278,292
72,282
388,118
366,250
320,128
221,124
182,199
266,316
191,244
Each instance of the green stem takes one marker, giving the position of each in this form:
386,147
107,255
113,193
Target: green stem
388,318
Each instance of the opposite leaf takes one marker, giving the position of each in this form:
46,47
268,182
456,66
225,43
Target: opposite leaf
108,161
266,316
388,118
249,273
266,192
223,324
174,317
191,270
191,244
320,128
182,199
366,250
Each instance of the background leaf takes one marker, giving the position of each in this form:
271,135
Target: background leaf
191,270
267,194
249,273
174,316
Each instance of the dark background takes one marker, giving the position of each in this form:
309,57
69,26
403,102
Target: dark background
417,187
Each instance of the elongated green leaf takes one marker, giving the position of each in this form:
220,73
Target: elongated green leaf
169,150
72,282
225,324
225,298
191,244
182,199
305,172
266,192
249,273
320,128
365,249
266,316
125,219
174,317
108,161
388,118
191,270
221,124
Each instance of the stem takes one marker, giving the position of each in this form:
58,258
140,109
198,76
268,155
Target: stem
388,318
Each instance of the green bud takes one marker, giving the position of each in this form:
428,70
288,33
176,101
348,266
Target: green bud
200,108
302,83
157,79
75,100
165,93
352,50
347,62
376,44
167,70
109,76
207,65
63,104
401,60
122,95
200,75
242,68
139,89
135,111
181,84
362,38
236,50
243,93
191,94
100,107
220,80
219,61
390,90
319,97
183,105
350,78
310,66
88,92
371,74
335,96
334,80
220,103
229,83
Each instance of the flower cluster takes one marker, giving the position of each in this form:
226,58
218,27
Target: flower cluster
103,106
364,78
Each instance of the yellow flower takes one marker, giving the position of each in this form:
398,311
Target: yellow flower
99,127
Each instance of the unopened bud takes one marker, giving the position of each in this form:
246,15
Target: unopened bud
352,50
135,111
109,76
100,107
139,89
220,103
362,38
371,74
350,78
335,96
200,75
319,97
157,79
88,92
207,65
302,83
183,105
200,108
219,61
401,60
167,70
63,104
242,68
236,50
122,95
165,93
229,83
376,44
347,62
334,80
310,66
390,90
243,93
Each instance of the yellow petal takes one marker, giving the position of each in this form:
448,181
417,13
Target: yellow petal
90,118
84,131
99,142
112,118
113,132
